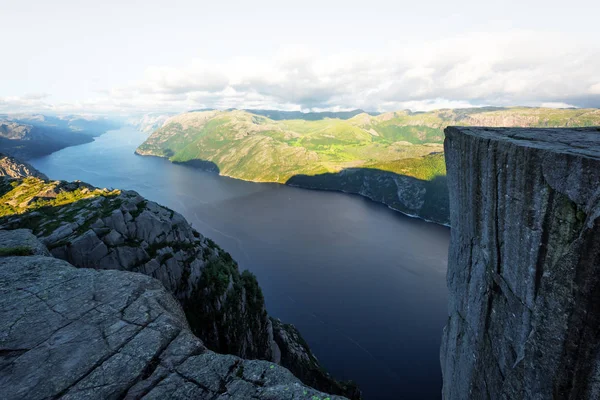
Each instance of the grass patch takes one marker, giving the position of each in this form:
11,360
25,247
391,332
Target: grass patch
15,251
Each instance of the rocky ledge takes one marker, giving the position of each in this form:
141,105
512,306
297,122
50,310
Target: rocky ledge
113,229
14,168
78,333
524,264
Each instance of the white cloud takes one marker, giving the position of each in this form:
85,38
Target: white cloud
595,89
557,105
508,68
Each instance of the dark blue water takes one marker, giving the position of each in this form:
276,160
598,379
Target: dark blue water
365,285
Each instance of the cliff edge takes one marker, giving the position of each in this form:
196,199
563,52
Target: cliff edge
524,264
14,168
80,333
117,229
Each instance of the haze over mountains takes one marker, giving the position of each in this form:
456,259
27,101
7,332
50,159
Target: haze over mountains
33,135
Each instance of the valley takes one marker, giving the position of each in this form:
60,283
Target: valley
394,158
316,255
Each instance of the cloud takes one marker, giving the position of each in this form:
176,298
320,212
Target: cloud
557,105
27,102
503,69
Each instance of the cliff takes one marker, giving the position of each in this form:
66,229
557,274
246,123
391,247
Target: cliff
524,264
14,168
75,333
423,198
114,229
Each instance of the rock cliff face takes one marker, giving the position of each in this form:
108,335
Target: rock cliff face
76,333
14,168
297,356
524,264
427,199
102,229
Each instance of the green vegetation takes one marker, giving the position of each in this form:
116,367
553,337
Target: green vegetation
363,154
425,168
253,147
224,297
43,205
29,194
15,251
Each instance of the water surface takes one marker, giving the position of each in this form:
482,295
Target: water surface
364,284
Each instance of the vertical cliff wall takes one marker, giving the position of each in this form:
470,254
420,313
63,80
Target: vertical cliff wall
524,264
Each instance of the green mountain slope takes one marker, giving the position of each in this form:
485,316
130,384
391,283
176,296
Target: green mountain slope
329,153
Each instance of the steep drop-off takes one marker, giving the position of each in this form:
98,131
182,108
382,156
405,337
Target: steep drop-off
524,264
14,168
79,333
113,229
394,158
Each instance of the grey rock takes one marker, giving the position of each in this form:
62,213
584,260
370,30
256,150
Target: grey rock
524,264
297,356
76,333
113,238
121,230
22,238
13,168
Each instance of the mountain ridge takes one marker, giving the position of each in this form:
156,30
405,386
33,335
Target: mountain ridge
341,154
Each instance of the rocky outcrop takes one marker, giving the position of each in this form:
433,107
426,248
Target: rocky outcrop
524,264
21,242
76,333
102,229
122,230
14,168
297,356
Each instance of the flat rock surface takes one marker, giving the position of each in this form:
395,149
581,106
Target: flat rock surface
77,333
577,141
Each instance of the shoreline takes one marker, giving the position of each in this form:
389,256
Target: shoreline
302,187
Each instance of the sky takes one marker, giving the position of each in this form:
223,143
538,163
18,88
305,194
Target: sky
127,57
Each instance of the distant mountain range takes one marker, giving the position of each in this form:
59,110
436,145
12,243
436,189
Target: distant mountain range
152,121
32,135
307,116
395,158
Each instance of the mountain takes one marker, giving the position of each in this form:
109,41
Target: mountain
148,123
115,229
33,135
395,158
307,116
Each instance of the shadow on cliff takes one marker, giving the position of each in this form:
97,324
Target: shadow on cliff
427,199
200,164
204,165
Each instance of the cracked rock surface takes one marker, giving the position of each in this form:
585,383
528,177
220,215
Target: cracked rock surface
118,229
524,264
77,333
